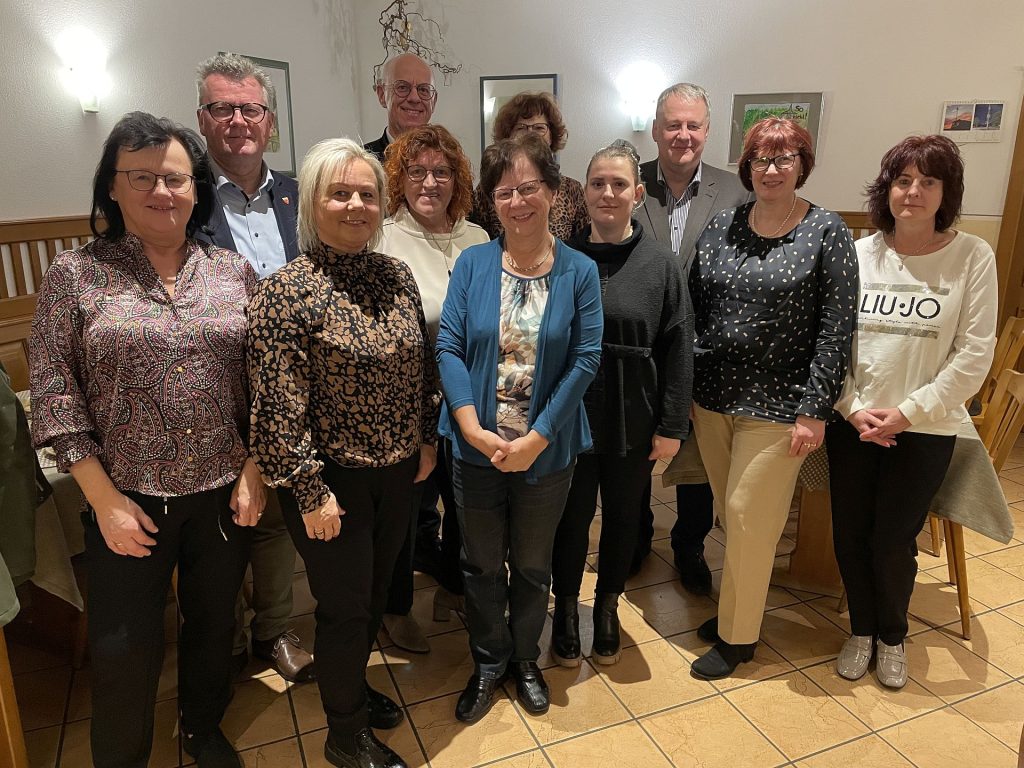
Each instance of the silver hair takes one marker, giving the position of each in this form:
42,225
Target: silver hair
321,163
686,92
385,71
236,67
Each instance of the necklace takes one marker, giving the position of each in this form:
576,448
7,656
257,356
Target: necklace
903,256
445,250
753,215
533,267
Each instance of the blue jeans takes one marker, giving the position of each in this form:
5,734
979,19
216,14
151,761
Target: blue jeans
503,518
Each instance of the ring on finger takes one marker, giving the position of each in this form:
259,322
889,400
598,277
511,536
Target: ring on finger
119,545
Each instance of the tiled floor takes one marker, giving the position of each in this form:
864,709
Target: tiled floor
963,706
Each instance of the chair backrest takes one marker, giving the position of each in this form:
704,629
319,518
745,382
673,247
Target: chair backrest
1009,346
1005,417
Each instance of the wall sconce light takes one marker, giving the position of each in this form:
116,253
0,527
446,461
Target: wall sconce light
84,73
639,85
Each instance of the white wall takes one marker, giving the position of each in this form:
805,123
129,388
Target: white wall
884,66
50,149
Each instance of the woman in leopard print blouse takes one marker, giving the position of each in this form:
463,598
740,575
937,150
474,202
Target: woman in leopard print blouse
344,420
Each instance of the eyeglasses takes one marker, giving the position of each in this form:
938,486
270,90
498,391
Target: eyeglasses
782,162
526,189
145,181
441,173
401,89
538,128
223,112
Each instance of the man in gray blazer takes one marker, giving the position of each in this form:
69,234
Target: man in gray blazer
683,194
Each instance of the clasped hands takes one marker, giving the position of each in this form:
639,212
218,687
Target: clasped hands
879,425
509,455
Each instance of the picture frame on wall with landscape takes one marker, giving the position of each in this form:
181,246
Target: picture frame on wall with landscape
280,152
496,90
748,108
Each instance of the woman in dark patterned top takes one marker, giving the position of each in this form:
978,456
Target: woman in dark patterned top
535,114
774,289
344,421
137,361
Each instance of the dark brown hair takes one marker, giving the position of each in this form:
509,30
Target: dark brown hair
526,105
775,135
407,147
501,155
935,156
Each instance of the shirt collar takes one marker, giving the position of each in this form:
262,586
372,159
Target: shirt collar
221,180
694,182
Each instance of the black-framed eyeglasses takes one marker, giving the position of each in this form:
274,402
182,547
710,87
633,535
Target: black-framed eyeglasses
526,189
145,181
782,162
424,90
441,173
224,112
541,129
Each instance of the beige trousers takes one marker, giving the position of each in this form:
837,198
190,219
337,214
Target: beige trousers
752,473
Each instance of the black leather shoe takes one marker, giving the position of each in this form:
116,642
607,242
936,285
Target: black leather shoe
694,574
370,753
722,660
606,649
383,713
708,631
287,656
531,690
476,699
211,750
565,632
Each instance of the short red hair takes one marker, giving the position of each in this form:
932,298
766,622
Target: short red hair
776,135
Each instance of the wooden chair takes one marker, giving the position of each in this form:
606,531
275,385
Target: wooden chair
999,432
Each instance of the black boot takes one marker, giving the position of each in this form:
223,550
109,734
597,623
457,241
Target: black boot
369,752
722,660
381,710
478,696
565,631
606,628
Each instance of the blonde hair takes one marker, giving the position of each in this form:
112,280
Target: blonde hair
321,163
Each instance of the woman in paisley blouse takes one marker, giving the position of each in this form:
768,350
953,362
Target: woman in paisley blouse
774,289
535,114
137,361
519,343
344,421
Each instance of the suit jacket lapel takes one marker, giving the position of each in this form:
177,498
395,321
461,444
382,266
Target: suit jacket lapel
655,204
221,235
701,209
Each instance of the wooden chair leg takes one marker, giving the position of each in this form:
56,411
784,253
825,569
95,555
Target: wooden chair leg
936,531
844,603
951,564
955,532
12,739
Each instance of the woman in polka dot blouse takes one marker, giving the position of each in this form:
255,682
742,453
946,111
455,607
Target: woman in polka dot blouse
774,288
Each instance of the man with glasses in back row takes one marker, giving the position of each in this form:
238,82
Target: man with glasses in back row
255,215
406,90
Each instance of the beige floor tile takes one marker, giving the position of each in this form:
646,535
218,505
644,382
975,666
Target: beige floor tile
401,739
41,746
664,517
451,744
999,711
670,609
711,734
1010,559
935,603
1015,612
280,754
655,570
801,635
588,585
75,752
532,759
624,746
580,702
258,714
797,715
653,676
988,584
309,711
869,752
423,580
442,671
947,739
978,544
995,638
766,662
947,669
661,494
42,696
1013,491
866,698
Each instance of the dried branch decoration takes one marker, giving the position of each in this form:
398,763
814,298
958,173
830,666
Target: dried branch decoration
397,23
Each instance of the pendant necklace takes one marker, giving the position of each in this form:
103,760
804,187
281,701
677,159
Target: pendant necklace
445,249
903,256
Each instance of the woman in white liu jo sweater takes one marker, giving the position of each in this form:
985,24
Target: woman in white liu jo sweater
923,345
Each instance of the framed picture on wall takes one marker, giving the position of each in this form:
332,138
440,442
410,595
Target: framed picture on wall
748,108
280,153
972,120
496,90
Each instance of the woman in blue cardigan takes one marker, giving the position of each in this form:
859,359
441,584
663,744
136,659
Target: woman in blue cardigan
519,343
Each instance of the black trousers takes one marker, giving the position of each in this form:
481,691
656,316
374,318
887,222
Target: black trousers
880,499
349,576
621,480
695,517
127,598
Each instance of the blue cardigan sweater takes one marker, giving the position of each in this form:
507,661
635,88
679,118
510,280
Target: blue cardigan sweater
568,353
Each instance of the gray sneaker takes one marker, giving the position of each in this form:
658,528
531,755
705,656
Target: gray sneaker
891,665
856,655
